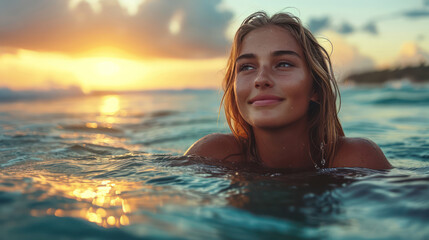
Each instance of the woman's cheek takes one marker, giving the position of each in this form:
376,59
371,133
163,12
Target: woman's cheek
241,89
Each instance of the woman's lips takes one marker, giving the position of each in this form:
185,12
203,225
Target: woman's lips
265,100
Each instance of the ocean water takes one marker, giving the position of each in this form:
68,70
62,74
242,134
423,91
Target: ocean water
111,167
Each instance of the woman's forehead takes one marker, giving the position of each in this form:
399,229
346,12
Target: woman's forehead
269,39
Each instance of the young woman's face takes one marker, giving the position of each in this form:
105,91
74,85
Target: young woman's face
273,86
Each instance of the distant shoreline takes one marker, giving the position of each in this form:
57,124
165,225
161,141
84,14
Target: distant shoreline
8,95
415,74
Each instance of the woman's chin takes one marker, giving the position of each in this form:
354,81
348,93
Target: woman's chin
266,123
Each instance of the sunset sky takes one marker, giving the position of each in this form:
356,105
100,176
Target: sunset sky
164,44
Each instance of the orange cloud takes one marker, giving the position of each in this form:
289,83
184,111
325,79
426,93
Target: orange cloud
155,30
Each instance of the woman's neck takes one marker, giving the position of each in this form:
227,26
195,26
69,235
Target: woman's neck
284,148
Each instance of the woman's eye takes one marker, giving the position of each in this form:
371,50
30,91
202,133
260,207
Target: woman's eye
245,67
284,65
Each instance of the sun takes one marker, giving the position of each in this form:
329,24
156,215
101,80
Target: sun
109,73
107,68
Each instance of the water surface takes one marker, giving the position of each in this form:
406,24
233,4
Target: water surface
111,167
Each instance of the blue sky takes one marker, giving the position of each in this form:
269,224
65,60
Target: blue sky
376,29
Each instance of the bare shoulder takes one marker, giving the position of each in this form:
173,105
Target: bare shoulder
359,152
217,146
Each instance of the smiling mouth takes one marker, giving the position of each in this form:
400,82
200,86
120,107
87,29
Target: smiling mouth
265,102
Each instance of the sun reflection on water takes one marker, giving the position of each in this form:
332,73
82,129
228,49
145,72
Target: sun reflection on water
110,106
105,202
99,201
110,110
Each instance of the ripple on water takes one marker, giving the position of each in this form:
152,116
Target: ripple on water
92,127
95,149
159,194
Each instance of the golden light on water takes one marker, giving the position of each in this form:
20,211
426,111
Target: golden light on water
107,207
110,106
91,125
105,202
111,220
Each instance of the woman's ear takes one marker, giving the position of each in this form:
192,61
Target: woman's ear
314,96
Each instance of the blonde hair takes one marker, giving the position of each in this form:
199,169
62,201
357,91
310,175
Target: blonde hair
324,125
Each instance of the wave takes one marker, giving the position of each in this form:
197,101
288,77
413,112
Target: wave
94,149
403,100
404,94
8,95
92,127
155,122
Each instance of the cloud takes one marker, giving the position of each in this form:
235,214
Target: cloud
411,54
371,28
6,50
346,58
412,14
318,24
324,23
51,25
417,13
346,28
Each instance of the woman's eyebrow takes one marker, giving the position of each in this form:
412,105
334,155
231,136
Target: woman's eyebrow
245,56
275,54
285,52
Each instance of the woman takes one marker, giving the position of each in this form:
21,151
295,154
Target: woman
280,103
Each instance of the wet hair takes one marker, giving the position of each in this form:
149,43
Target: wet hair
324,126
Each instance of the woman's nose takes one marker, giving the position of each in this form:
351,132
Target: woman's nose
263,79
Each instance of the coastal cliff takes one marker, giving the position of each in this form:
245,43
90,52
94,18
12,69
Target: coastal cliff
417,74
